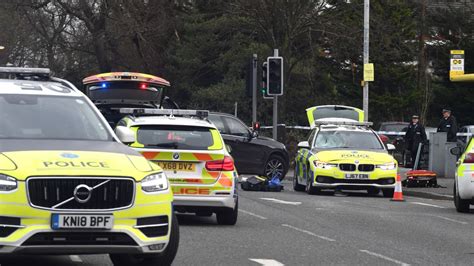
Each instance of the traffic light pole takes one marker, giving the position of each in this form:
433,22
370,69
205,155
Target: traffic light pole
275,106
254,88
366,58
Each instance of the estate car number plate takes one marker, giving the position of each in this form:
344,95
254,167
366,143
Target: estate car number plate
177,166
82,221
357,176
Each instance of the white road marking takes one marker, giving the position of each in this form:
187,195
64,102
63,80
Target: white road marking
253,214
267,262
384,257
282,201
429,205
439,194
75,258
449,219
308,232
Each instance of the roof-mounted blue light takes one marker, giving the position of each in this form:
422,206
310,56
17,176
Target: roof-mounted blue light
103,85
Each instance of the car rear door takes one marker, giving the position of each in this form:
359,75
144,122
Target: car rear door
249,156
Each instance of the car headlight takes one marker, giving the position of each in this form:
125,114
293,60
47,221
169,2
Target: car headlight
155,183
387,166
7,183
324,165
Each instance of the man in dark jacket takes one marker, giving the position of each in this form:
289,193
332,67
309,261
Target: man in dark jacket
448,124
415,135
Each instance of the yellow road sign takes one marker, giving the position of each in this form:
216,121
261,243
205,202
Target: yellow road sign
457,63
369,72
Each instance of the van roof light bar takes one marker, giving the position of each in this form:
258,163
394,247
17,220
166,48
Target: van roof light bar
26,71
164,112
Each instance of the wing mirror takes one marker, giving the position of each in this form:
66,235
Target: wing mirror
125,134
303,145
253,134
391,147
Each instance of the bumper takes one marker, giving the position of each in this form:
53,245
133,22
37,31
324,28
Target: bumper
206,201
465,184
30,229
333,178
79,249
350,186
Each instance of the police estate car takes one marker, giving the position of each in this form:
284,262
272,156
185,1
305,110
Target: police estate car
67,183
343,153
464,178
192,153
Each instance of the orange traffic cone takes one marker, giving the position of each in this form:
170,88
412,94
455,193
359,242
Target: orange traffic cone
397,194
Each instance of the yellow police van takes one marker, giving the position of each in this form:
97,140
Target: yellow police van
67,183
342,152
192,153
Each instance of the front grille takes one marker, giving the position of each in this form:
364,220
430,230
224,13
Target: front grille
366,167
80,238
349,167
58,193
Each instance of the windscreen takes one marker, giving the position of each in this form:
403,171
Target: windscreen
347,140
178,137
49,117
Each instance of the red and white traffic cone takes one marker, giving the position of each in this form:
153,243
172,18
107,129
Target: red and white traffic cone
398,194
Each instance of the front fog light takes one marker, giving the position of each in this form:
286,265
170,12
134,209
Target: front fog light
387,166
7,183
156,246
155,183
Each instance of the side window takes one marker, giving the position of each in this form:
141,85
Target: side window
236,127
217,121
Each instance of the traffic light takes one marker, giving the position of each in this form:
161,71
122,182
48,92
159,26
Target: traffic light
264,89
275,76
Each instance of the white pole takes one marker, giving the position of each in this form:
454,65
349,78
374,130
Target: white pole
366,57
275,106
254,88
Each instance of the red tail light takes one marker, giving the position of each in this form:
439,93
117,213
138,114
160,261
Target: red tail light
143,86
383,138
227,164
469,158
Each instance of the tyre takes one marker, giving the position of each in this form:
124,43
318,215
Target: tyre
228,216
460,204
296,185
310,189
161,259
275,165
388,192
373,191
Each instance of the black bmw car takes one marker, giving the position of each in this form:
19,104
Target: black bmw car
253,154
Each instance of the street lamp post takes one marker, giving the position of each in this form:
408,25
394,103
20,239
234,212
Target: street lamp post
366,57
